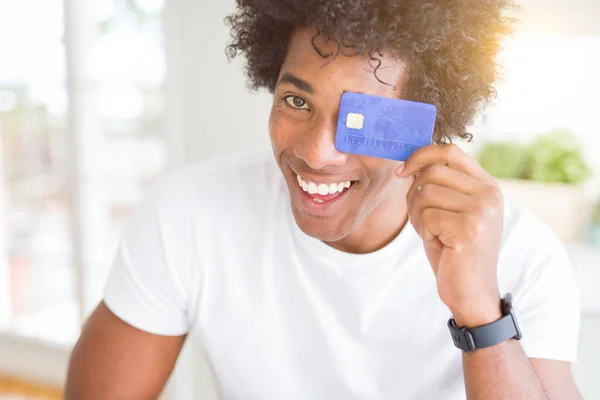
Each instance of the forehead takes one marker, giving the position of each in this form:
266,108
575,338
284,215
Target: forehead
343,72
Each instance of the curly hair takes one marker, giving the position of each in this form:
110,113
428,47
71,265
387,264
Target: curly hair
449,46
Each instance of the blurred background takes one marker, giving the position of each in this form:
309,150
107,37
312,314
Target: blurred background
100,97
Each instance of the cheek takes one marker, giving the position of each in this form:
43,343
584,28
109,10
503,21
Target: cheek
382,175
282,131
381,171
277,131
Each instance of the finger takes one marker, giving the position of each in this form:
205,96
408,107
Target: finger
449,155
436,232
435,196
426,196
440,225
443,175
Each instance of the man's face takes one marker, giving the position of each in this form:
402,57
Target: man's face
302,128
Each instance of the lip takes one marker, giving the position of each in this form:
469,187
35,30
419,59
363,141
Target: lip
325,209
328,180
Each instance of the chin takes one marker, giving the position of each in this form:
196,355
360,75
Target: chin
329,229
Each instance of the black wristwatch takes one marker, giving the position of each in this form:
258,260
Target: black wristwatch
471,339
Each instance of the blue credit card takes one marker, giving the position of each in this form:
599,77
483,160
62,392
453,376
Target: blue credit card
383,127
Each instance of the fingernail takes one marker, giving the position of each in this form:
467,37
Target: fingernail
400,169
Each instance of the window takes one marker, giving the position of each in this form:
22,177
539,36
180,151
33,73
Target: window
78,147
36,264
121,130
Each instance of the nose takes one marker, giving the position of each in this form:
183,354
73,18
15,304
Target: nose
317,147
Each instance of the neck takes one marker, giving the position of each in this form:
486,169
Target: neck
382,225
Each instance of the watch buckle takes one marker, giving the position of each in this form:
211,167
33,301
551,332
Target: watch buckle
461,337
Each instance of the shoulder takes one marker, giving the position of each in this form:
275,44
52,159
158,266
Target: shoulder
237,189
230,166
532,254
229,180
525,233
535,268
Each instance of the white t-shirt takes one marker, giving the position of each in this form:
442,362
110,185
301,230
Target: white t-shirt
214,250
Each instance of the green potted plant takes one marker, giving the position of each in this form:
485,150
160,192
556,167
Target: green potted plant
544,177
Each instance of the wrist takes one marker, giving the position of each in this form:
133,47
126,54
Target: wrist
478,314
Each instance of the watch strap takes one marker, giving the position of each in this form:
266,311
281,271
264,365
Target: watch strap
471,339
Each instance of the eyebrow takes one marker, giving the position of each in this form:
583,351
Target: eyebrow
304,85
294,80
352,91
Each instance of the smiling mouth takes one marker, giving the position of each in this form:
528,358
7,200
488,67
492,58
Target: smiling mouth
323,192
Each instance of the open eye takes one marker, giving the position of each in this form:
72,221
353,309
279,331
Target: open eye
296,102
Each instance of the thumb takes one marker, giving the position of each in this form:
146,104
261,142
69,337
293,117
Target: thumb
400,169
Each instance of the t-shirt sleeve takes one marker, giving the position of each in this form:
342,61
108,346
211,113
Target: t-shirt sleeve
148,286
546,297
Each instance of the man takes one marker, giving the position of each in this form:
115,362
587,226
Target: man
325,275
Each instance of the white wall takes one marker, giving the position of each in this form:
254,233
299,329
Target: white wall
561,17
210,109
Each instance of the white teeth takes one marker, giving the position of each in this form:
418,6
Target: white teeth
322,189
